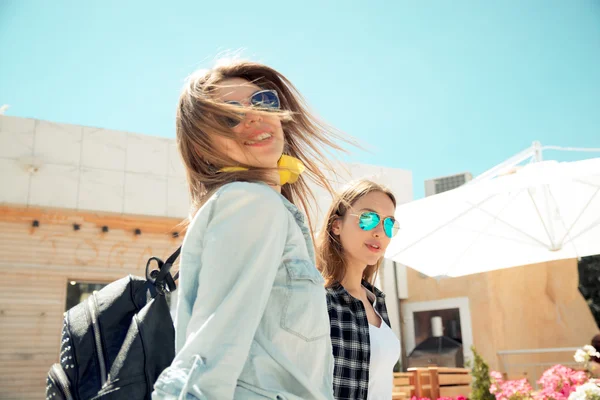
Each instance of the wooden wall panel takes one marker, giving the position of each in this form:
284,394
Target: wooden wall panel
526,307
36,265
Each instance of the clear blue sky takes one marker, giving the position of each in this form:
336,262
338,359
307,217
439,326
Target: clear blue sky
436,87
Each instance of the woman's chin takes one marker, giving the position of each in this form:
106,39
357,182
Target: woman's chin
264,159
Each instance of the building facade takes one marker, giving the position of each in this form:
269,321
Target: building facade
81,207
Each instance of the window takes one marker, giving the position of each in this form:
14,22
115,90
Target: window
79,291
417,321
450,322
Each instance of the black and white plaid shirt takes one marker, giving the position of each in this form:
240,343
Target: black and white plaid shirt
350,340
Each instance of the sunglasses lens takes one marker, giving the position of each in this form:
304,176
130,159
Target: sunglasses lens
368,221
390,227
232,122
265,99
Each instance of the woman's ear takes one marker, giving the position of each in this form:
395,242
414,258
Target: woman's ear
336,227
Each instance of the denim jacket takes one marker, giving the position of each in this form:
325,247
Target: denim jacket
251,320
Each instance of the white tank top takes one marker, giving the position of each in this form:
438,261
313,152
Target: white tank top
385,352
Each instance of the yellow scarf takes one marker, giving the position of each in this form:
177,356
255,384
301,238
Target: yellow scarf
290,169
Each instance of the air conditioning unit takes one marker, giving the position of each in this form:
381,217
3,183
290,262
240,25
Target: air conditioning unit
445,183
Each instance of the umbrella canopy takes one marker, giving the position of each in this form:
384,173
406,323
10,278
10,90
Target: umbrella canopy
544,211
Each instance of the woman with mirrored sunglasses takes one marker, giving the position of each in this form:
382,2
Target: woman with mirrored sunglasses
357,230
251,315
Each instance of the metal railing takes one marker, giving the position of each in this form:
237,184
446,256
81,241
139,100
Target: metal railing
531,363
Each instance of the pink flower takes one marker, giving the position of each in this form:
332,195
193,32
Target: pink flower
496,376
509,390
556,383
559,382
461,398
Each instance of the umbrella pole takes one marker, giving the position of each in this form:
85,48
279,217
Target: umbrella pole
533,151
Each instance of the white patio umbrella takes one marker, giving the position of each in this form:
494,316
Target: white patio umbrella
543,211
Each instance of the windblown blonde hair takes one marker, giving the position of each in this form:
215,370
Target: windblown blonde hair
330,254
199,115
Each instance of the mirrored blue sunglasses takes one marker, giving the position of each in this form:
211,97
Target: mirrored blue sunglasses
263,99
368,220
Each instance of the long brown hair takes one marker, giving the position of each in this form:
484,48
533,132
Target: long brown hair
199,113
330,254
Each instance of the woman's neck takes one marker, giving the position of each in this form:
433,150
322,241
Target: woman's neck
275,177
352,280
276,188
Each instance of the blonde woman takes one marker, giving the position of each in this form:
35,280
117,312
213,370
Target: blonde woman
357,230
251,319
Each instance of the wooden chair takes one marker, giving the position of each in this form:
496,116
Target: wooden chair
436,382
404,386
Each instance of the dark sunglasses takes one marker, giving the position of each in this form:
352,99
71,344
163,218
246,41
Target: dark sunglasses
368,220
263,99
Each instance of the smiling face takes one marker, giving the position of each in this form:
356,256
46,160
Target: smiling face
261,138
364,247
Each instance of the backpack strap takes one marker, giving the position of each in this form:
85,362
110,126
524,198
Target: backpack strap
162,277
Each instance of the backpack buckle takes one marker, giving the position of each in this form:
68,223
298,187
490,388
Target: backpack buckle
160,277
